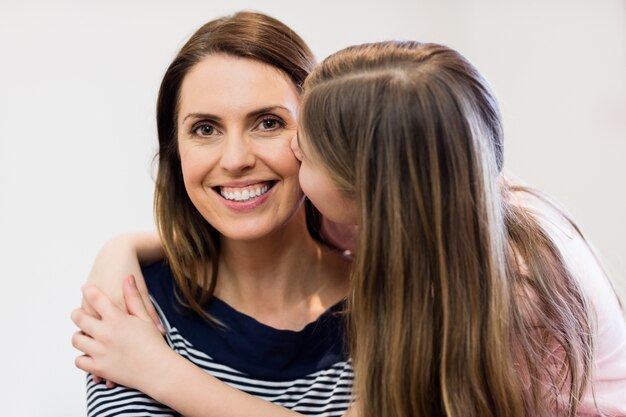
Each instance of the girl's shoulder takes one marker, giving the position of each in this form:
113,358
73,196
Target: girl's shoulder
608,379
577,251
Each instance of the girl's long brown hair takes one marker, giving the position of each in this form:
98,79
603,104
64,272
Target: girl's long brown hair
192,246
462,304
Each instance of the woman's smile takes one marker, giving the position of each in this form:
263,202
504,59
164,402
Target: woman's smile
245,193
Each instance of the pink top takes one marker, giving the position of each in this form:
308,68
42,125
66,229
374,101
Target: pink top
608,378
606,391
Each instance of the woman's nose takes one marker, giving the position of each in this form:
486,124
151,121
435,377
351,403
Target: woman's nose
237,154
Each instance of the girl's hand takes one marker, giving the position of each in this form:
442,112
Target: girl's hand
117,259
117,346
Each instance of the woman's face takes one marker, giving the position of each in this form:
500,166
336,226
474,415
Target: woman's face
320,188
236,120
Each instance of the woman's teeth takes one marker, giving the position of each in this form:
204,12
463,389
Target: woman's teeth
243,194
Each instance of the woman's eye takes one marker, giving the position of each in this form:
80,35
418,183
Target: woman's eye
271,123
204,130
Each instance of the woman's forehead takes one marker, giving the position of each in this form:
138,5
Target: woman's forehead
225,83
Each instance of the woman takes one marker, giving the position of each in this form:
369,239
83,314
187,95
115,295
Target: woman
471,296
247,292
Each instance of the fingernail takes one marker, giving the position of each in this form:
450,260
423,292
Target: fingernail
129,282
161,328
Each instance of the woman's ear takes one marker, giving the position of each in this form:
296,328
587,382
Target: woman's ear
295,148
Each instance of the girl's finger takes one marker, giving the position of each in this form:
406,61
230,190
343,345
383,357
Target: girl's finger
100,302
84,343
133,300
85,322
143,291
87,364
88,308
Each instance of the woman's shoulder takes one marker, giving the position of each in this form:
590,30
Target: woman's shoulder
159,279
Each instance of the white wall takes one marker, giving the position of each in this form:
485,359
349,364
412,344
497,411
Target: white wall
78,82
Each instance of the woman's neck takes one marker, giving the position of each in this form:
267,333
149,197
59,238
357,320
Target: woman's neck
284,279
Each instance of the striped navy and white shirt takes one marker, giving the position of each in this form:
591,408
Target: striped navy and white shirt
307,371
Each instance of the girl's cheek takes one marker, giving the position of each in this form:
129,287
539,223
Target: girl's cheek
303,178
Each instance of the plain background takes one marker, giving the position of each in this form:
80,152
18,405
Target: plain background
78,82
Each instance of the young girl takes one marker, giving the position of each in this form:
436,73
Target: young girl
471,296
486,296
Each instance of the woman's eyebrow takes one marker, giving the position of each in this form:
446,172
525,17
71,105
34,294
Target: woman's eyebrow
252,114
269,109
202,116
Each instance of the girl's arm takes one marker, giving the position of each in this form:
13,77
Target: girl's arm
128,348
120,257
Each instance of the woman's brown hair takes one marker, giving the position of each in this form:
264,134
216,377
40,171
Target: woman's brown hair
462,304
192,246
